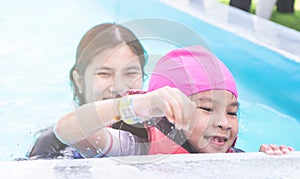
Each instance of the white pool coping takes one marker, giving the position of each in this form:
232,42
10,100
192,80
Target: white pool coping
284,40
239,165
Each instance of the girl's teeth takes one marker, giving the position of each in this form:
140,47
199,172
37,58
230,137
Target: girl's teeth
217,139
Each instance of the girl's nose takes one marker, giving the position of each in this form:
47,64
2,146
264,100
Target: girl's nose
222,122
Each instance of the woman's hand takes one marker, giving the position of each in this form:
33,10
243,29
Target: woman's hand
272,149
166,101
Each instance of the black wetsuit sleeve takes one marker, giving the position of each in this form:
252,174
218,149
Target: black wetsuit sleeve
236,150
46,146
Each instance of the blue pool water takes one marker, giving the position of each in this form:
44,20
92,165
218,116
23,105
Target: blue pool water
37,48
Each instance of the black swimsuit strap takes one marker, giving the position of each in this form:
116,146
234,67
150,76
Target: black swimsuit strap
171,132
137,129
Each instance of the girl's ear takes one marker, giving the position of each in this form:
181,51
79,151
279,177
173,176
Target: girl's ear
78,81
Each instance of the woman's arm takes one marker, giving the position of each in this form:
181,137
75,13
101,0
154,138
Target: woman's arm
117,143
87,120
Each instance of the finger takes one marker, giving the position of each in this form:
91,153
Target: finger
179,110
276,149
158,105
167,105
188,110
266,149
182,107
171,105
284,149
175,109
170,117
291,148
169,114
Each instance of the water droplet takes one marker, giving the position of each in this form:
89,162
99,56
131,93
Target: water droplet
97,142
88,149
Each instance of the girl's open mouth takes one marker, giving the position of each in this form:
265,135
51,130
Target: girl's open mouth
218,140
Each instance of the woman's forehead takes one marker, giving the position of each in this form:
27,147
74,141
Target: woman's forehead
122,57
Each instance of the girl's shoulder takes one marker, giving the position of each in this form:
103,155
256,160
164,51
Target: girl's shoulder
235,150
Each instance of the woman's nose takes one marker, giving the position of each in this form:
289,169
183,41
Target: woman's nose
118,86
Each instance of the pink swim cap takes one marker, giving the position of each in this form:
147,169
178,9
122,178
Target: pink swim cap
192,70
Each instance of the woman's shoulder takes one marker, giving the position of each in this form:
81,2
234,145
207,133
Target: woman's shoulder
46,145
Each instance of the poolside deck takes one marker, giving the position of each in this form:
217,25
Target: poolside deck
242,165
264,32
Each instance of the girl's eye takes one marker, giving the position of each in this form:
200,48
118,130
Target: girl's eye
206,109
232,113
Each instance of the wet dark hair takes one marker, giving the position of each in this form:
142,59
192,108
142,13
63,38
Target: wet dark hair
103,38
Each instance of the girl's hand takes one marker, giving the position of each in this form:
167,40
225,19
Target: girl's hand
272,149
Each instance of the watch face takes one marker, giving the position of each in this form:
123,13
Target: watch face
127,112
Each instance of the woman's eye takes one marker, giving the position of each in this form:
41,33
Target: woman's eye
103,74
206,109
132,73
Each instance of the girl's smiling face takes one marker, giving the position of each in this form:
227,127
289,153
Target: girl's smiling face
216,127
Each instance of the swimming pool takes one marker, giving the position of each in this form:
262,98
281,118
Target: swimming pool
38,45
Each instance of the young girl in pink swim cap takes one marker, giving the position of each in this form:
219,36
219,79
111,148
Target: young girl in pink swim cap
213,128
191,107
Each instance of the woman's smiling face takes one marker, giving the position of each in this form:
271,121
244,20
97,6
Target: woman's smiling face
106,77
